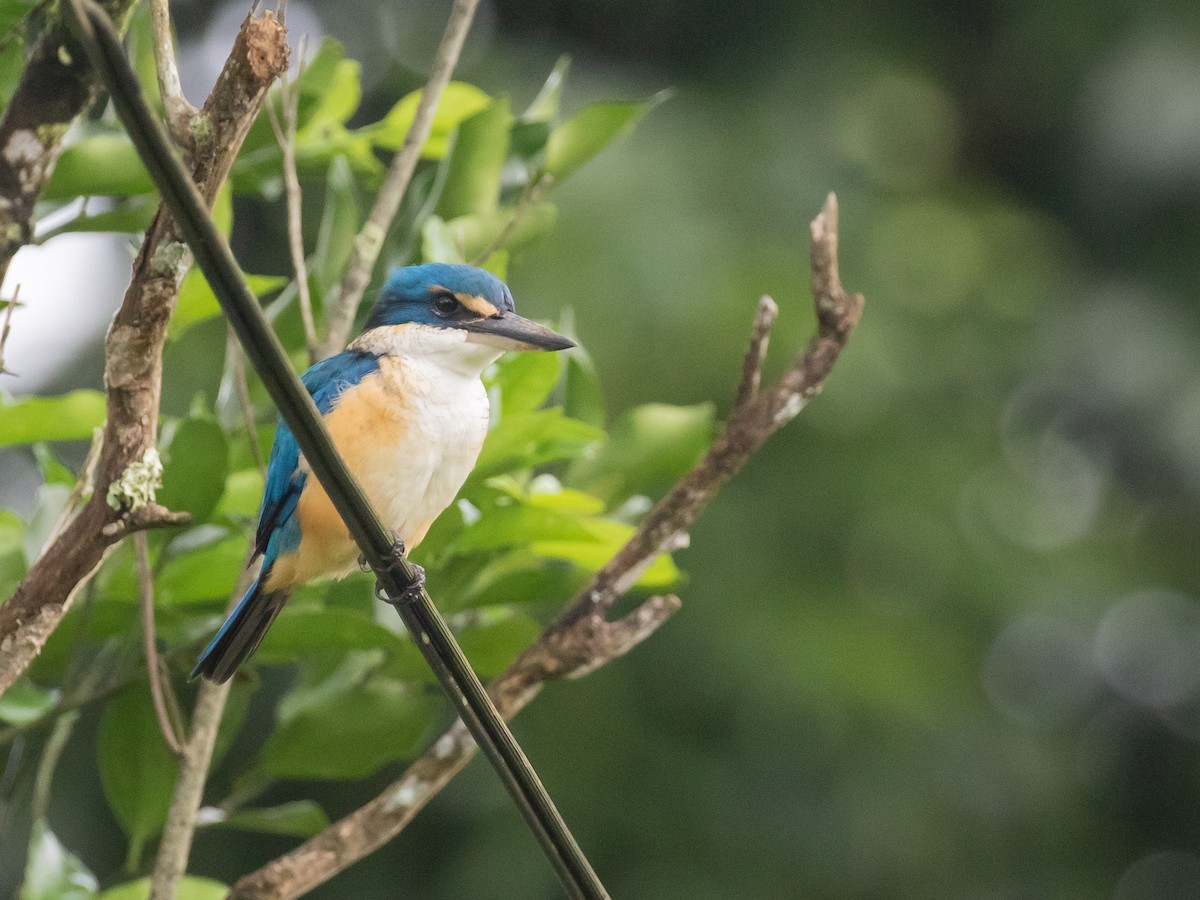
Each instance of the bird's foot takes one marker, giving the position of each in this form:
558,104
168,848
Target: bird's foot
409,594
398,550
412,592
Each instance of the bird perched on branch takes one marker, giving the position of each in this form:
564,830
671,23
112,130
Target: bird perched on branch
406,409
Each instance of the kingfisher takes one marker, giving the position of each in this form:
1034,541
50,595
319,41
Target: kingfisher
407,410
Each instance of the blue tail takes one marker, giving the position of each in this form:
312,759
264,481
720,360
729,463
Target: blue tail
241,633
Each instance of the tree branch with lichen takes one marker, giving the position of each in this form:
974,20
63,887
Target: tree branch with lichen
56,86
583,638
133,365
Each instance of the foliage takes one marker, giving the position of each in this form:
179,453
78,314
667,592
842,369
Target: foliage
348,692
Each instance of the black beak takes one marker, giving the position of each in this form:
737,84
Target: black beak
512,332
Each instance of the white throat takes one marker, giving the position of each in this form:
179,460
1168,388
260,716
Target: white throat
447,348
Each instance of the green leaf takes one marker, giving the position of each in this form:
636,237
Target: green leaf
137,771
545,105
67,417
25,702
100,165
197,302
492,646
347,726
297,633
530,439
341,93
525,380
340,220
195,465
129,216
648,448
607,538
473,234
473,179
300,818
520,525
190,888
53,472
584,398
242,496
207,574
590,130
51,500
438,244
52,872
197,574
222,210
458,101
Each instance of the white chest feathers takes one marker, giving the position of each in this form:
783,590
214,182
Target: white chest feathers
425,441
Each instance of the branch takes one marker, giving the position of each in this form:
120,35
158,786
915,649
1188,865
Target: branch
531,195
368,243
150,645
756,353
285,136
170,863
133,358
582,639
179,112
56,86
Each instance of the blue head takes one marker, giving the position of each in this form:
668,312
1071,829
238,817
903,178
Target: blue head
440,295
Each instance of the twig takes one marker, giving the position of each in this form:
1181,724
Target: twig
8,313
133,358
531,195
582,639
158,686
340,314
179,112
756,353
285,136
242,389
170,863
56,86
171,860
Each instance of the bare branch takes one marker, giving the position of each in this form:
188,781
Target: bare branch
583,639
56,86
756,353
285,136
241,386
170,863
179,112
340,314
158,685
133,358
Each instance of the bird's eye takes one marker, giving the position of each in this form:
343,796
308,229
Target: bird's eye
445,305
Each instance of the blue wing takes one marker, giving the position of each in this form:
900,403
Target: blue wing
278,530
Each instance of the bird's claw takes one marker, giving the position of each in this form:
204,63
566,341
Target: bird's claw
415,588
398,550
410,594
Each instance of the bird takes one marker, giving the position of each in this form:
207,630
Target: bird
406,408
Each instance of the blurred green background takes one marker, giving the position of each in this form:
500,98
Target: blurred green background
941,638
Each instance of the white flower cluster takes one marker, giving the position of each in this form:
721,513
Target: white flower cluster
137,484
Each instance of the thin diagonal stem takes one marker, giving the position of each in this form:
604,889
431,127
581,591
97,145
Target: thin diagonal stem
396,576
340,316
158,686
285,136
